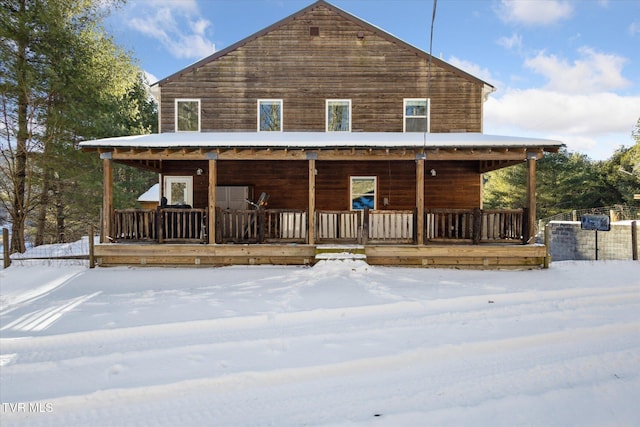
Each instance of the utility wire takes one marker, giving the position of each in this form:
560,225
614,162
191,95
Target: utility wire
428,106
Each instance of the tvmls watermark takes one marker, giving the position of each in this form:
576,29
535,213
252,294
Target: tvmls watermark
27,408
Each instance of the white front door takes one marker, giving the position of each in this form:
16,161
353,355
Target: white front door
178,190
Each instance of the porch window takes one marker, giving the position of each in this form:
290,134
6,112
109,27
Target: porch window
416,115
363,192
270,115
178,190
338,115
187,115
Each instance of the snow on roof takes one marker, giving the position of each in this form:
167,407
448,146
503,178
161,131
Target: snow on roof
151,195
318,140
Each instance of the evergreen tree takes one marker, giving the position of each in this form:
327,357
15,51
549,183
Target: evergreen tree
622,171
567,181
62,80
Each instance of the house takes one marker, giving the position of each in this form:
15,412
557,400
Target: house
150,199
320,129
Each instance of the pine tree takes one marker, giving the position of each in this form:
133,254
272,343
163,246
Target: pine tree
62,80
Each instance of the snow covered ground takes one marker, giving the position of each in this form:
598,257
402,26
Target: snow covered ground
341,343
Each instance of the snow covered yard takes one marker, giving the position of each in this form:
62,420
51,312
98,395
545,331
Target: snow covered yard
341,343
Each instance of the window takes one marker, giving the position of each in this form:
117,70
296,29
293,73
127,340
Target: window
416,115
269,115
363,192
178,190
187,115
338,115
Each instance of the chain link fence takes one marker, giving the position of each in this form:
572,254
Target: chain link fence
74,253
616,213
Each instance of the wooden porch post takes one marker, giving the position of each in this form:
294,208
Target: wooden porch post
312,197
213,182
531,197
420,198
107,195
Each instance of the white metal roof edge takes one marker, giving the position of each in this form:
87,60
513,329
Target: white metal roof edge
317,140
151,195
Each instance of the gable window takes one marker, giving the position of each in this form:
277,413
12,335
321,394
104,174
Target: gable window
187,115
338,115
416,115
363,192
270,115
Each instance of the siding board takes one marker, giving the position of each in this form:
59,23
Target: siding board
286,63
288,185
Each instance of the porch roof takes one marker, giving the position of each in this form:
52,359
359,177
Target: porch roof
320,140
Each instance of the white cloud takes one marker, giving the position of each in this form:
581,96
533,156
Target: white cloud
511,43
529,12
593,72
549,111
595,124
177,25
473,69
634,28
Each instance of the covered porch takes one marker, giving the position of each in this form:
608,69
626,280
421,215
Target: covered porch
424,207
453,238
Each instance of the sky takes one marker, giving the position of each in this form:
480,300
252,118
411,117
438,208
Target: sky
567,70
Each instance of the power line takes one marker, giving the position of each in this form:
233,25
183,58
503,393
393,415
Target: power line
428,104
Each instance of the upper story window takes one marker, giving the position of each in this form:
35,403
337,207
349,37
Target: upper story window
187,115
416,115
338,115
270,115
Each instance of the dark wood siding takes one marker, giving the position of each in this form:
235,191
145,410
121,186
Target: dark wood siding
288,63
456,184
287,182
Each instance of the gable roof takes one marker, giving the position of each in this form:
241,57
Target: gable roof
151,195
377,30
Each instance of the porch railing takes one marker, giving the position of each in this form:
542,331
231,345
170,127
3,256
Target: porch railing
261,225
161,225
134,225
286,225
475,225
506,225
390,226
449,224
339,226
290,225
237,226
182,225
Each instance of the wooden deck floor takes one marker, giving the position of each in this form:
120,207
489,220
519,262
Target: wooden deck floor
487,256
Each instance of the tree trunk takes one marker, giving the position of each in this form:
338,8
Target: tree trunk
42,212
60,217
19,211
